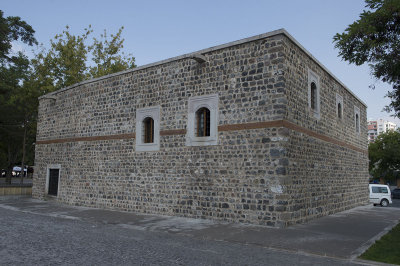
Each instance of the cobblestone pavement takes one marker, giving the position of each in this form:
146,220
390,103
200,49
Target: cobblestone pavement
46,233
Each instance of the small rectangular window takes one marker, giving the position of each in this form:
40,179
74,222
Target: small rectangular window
375,190
383,190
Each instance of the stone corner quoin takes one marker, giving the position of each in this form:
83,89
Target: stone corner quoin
250,131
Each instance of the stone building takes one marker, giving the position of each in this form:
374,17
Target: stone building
255,131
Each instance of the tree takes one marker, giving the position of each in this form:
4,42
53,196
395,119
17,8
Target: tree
384,156
12,29
68,60
12,112
108,57
375,39
25,102
13,70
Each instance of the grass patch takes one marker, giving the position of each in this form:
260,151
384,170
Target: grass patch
387,249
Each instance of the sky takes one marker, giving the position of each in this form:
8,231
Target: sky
158,30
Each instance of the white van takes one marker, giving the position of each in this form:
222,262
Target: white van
379,194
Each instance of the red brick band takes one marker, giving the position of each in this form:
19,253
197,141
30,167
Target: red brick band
316,135
256,125
91,138
294,127
232,127
173,132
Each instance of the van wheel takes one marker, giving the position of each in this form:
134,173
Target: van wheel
384,203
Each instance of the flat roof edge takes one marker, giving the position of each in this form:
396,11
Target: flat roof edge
322,66
206,50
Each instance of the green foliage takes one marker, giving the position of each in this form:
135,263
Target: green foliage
108,57
375,39
12,29
387,249
384,155
70,59
13,111
14,70
67,58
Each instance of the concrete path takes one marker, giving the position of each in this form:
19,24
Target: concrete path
343,236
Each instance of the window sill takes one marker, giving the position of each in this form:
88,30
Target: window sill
315,114
147,147
201,141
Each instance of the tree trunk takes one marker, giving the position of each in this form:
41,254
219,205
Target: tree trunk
9,167
8,174
23,156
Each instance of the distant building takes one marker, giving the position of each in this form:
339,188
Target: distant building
372,131
377,127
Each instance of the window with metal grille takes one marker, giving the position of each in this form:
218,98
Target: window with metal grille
203,122
148,128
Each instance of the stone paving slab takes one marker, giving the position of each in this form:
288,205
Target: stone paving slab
344,235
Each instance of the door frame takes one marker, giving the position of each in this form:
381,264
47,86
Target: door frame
52,166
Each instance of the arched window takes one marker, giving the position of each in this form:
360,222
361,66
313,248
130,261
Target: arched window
313,96
357,124
339,106
339,110
148,130
203,122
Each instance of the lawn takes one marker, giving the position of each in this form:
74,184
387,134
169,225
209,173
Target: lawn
387,249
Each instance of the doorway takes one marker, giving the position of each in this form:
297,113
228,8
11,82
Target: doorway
54,176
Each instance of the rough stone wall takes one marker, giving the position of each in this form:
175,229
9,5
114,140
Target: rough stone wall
247,77
261,171
323,177
230,181
297,63
203,182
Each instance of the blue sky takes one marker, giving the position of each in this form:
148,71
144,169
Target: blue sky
157,30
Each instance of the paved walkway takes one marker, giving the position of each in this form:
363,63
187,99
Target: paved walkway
342,236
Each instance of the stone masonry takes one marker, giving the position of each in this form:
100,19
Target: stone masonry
274,160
